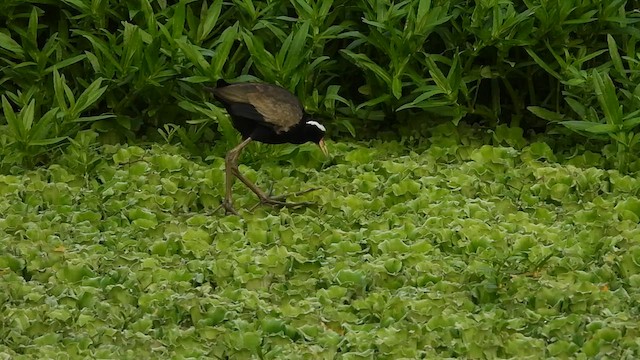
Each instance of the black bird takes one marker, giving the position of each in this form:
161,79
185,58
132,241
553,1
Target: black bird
269,114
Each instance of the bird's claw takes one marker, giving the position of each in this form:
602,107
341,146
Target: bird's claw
228,208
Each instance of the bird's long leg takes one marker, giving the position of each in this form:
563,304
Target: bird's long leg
231,170
272,200
231,166
264,198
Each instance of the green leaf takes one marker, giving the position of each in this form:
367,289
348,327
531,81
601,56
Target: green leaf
197,242
542,64
89,97
208,19
32,29
375,101
422,13
46,142
577,106
259,54
58,90
346,123
304,6
615,56
7,43
94,118
607,97
196,79
631,123
26,116
66,62
82,6
592,127
396,87
41,129
93,60
317,61
421,100
101,47
546,114
602,128
225,127
282,53
250,340
325,7
363,61
332,96
394,246
15,124
131,44
438,77
147,10
393,266
192,52
454,78
294,54
178,19
585,18
221,55
350,277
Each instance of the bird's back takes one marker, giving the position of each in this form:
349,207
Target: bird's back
265,103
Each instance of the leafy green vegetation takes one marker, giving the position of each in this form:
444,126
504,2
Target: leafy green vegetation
510,231
132,70
441,247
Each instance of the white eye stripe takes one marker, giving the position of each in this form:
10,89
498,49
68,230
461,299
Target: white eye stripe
317,124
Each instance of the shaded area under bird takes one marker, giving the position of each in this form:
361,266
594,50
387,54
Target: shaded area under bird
269,114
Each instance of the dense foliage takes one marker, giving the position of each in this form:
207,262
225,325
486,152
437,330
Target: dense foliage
466,222
128,68
450,248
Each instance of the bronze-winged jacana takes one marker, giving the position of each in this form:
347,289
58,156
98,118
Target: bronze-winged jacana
269,114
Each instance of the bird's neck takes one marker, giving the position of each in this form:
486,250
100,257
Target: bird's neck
298,133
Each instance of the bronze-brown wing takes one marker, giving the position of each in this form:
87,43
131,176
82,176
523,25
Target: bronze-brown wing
280,109
233,93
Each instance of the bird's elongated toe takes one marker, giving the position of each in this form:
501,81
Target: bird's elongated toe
281,203
281,200
284,197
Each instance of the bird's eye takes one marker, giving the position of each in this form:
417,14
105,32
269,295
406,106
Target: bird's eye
317,124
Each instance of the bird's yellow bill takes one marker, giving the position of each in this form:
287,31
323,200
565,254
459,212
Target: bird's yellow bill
323,147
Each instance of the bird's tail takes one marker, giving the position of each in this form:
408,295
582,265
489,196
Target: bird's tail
220,83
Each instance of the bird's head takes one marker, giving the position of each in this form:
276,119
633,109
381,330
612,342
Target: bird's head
314,131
